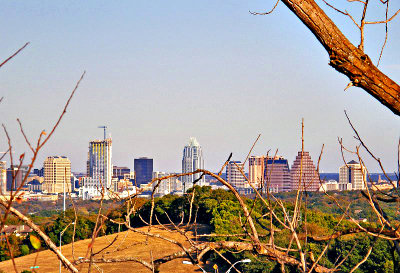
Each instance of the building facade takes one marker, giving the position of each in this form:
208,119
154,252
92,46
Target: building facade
143,170
15,176
276,174
192,160
352,176
120,172
256,170
57,174
3,177
234,176
330,185
309,176
99,166
166,186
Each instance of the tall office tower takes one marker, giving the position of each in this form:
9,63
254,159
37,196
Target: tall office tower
120,172
143,170
234,176
192,160
3,177
256,170
15,176
352,177
99,166
57,174
276,174
309,175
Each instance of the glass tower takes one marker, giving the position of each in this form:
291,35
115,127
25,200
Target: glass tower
191,161
143,170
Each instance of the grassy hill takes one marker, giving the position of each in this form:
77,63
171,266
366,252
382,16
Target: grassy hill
128,244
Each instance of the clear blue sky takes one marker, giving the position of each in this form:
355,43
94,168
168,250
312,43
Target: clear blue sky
159,72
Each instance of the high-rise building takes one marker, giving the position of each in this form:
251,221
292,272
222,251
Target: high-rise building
192,160
352,176
143,170
309,176
276,174
234,176
57,174
256,170
99,163
15,176
3,177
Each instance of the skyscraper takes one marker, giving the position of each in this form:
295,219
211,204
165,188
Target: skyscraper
143,170
352,176
276,174
192,160
234,176
269,172
3,177
99,166
57,174
309,175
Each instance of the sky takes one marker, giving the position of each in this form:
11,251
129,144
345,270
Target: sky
159,72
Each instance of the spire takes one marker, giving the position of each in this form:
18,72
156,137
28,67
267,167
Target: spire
193,142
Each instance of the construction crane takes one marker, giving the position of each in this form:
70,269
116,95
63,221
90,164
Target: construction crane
104,127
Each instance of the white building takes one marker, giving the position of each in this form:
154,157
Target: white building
191,161
167,186
234,176
352,176
330,185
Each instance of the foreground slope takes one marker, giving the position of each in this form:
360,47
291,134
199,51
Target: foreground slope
127,244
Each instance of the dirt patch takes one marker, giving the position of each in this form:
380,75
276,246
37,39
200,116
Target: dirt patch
127,244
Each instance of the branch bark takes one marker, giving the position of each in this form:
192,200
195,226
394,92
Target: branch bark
344,56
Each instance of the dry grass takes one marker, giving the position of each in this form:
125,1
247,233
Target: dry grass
128,244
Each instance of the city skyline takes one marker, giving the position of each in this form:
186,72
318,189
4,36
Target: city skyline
165,66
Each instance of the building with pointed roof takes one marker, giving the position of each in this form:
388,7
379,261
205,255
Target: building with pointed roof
352,176
304,174
192,160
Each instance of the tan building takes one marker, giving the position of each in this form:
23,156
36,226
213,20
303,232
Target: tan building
57,171
3,177
256,170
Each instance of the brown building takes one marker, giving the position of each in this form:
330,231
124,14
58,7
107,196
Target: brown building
270,172
277,174
309,175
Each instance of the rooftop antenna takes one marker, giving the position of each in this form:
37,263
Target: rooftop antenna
104,127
